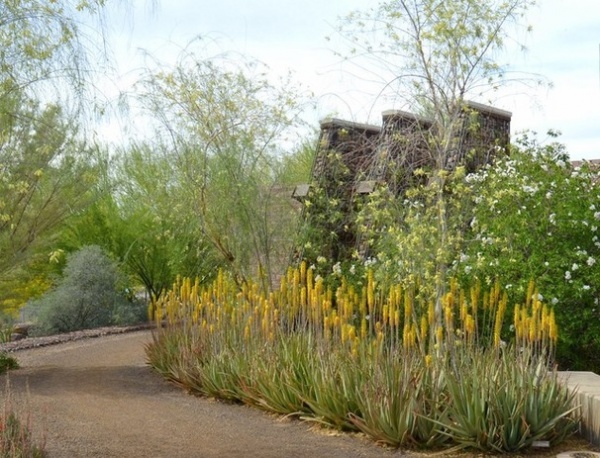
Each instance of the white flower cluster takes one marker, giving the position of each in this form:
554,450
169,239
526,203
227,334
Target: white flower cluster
530,189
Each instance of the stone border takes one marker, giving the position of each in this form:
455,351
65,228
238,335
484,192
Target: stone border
37,342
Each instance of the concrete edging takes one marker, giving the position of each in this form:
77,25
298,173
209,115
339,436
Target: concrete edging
587,386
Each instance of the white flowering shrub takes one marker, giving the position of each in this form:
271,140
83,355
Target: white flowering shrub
537,218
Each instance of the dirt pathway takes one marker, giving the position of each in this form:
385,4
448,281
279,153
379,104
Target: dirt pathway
97,398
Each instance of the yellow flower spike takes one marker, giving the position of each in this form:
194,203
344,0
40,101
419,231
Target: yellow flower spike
454,286
397,319
385,313
302,278
247,333
449,316
363,303
439,335
337,323
406,332
351,333
363,328
431,314
553,327
499,319
497,290
524,323
412,337
424,326
463,308
532,331
309,280
530,293
486,300
428,360
370,292
470,328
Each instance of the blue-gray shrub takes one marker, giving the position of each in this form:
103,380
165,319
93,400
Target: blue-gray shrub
88,295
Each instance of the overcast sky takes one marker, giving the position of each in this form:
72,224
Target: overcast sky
287,35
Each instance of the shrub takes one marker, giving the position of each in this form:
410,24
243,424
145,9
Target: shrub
88,295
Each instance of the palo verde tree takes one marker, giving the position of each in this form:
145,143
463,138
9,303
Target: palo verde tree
43,68
438,55
44,52
45,174
222,122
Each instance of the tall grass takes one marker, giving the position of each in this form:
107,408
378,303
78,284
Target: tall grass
371,360
16,440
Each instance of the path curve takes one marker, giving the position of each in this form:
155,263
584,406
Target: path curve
98,398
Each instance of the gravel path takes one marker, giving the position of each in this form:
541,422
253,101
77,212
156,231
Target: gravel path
97,398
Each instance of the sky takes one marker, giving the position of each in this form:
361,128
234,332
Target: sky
563,47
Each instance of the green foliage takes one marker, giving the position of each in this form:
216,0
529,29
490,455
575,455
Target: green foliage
449,53
414,238
501,405
88,295
15,439
141,217
404,403
7,362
